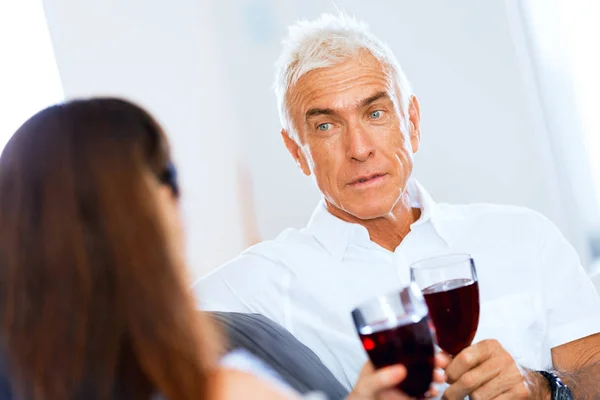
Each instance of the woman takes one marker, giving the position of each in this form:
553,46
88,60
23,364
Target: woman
93,290
93,294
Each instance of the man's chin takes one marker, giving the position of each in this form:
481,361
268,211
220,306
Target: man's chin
360,211
367,212
369,216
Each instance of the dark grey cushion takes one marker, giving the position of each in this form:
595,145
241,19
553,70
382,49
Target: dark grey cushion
294,362
5,390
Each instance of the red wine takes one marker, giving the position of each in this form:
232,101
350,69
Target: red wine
454,309
410,344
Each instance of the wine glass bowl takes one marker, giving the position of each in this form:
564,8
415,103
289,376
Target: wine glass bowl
395,329
451,290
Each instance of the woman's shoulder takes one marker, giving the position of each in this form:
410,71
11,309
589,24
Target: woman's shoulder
233,384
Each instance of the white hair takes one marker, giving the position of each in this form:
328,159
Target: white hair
324,42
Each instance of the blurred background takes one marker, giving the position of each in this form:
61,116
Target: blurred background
508,92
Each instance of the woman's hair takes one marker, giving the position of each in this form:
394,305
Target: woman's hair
92,304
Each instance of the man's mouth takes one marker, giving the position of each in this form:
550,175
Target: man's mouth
366,179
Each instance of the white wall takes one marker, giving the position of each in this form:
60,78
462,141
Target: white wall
29,79
205,68
159,54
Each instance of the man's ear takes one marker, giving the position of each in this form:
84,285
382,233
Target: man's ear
414,117
296,152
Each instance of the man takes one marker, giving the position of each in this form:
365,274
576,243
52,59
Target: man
351,121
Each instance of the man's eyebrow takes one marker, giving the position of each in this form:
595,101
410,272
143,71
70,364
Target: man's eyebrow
313,112
374,98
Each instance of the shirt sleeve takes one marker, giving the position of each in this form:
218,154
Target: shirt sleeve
250,283
571,301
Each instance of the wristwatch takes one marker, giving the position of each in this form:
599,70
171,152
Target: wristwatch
558,390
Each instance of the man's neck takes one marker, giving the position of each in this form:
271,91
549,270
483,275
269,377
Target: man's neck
387,231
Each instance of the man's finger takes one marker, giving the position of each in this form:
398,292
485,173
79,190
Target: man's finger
512,396
506,381
473,379
471,357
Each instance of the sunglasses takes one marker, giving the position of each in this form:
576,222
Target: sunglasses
169,178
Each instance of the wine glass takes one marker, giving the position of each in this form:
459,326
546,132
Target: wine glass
449,285
395,329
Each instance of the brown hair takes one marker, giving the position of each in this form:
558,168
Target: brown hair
91,303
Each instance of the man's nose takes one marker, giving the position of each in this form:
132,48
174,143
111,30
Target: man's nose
360,145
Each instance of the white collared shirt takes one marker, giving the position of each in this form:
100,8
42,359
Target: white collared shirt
534,293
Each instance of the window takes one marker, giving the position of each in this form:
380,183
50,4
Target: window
561,38
29,79
581,29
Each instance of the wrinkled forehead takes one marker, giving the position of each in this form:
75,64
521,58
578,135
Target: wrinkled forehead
341,86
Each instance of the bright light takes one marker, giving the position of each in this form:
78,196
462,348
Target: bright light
29,79
582,30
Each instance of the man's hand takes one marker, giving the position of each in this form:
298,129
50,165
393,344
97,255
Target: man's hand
381,384
485,371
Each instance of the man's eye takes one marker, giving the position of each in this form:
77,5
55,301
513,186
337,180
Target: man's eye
324,127
375,114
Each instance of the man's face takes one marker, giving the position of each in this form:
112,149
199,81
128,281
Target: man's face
353,137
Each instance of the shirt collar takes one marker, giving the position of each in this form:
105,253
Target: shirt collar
335,234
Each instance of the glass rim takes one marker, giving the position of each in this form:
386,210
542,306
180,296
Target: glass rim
462,257
387,295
